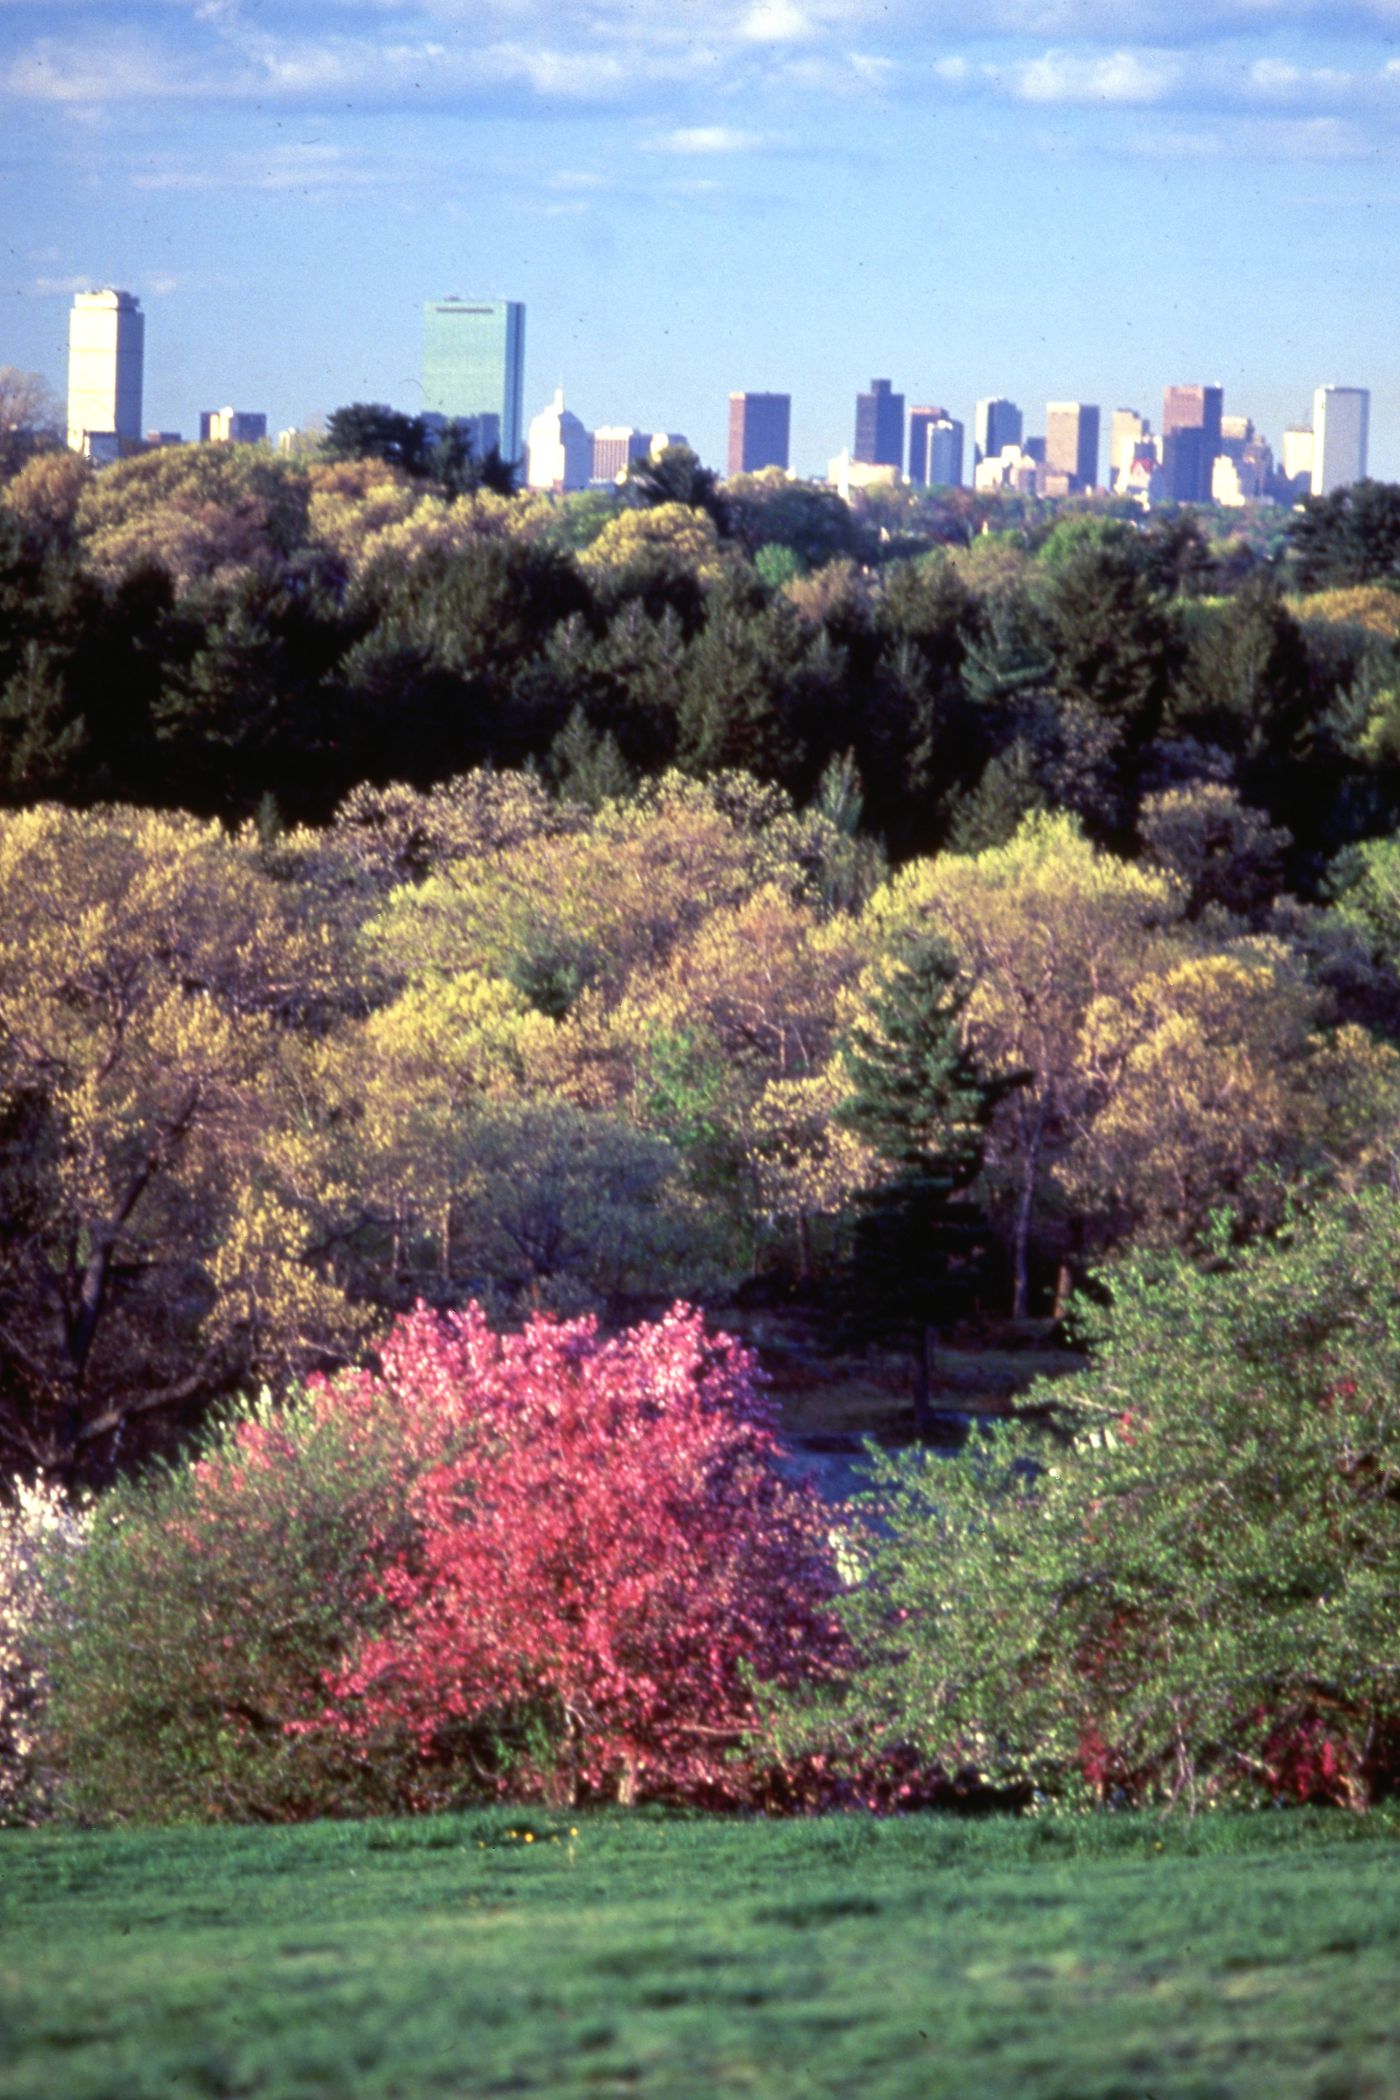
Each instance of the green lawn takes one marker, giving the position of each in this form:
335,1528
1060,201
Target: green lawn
1106,1958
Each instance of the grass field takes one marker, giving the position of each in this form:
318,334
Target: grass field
1105,1958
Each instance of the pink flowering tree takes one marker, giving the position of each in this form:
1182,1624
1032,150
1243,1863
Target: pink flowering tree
607,1569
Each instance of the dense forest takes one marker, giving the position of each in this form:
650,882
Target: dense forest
440,927
418,891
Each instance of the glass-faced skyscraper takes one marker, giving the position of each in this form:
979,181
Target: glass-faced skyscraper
474,363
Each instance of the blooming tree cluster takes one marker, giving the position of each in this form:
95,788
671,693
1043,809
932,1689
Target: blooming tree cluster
604,1568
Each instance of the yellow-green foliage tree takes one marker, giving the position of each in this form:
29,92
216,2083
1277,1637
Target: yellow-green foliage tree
634,980
1172,1063
367,510
157,1245
1044,926
44,495
1219,1085
194,510
670,536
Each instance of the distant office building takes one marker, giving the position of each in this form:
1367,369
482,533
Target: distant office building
1011,468
560,451
1299,451
1141,477
482,433
106,348
1341,419
935,448
157,439
921,421
1243,471
1126,432
848,475
879,440
945,454
615,447
231,426
1190,440
666,441
760,433
760,427
1072,442
1245,475
996,424
474,363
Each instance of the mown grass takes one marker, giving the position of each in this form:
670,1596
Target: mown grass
1104,1958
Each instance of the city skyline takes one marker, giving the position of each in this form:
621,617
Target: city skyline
473,358
1102,198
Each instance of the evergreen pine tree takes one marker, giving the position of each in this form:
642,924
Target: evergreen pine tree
921,1101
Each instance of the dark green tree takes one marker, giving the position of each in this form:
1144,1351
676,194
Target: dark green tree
676,475
1112,639
813,523
920,1100
452,461
373,430
587,767
755,688
1349,537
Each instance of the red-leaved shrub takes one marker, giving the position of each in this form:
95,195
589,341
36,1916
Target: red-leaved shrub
604,1564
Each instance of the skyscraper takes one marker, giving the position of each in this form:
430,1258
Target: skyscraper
935,448
879,427
559,455
615,446
759,432
1341,419
1299,452
474,362
997,424
1072,441
1126,432
106,345
1190,440
231,426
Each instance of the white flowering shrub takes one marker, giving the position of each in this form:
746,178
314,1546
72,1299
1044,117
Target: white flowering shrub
39,1529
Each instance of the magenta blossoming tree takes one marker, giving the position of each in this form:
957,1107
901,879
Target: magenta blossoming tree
605,1564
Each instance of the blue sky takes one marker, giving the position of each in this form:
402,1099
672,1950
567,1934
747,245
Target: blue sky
1051,199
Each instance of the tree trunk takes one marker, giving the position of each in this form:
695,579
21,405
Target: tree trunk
1025,1204
923,1364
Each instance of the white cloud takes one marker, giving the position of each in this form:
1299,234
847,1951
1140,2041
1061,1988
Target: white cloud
706,139
1137,78
1200,58
1277,80
776,22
